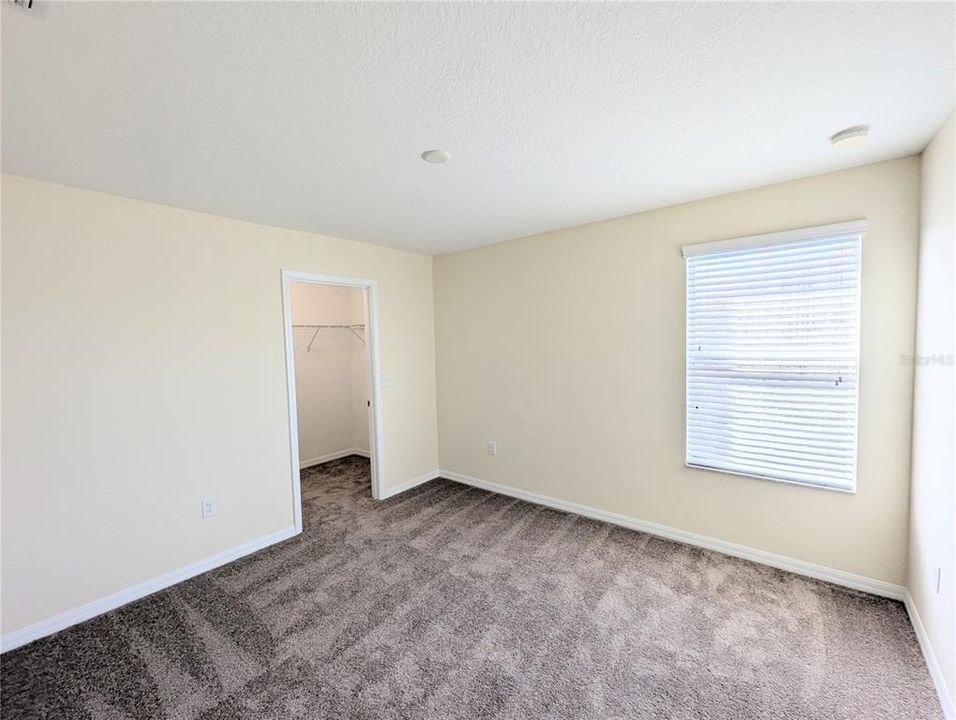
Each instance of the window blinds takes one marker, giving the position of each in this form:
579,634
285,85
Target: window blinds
773,326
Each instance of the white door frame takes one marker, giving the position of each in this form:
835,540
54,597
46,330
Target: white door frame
376,435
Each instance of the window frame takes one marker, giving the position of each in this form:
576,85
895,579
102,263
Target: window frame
857,228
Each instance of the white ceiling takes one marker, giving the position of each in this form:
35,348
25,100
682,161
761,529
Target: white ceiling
313,116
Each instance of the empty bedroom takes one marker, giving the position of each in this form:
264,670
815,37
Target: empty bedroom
457,360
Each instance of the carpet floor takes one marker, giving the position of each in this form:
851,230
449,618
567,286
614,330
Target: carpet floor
450,602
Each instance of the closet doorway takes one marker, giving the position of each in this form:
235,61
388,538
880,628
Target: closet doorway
332,371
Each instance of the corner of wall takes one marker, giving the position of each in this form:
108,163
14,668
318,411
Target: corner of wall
931,554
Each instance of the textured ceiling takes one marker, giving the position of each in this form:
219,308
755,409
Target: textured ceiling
313,116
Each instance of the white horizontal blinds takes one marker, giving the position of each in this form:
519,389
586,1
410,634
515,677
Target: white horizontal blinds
773,358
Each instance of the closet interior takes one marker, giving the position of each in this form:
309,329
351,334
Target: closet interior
331,371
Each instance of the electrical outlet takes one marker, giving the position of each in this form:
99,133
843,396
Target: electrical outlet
492,447
208,506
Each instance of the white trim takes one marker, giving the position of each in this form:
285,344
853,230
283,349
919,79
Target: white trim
935,671
853,227
41,629
376,426
782,562
303,464
409,484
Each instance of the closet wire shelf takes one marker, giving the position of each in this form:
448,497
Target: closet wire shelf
356,329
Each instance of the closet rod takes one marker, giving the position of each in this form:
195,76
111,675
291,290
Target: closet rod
352,327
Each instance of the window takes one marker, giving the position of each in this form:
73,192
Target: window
773,345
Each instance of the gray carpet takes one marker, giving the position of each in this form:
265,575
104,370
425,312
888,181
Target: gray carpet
450,602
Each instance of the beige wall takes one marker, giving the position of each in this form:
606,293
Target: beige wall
143,368
932,540
567,348
331,379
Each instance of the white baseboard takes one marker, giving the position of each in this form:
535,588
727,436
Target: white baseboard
819,572
935,671
409,484
16,638
303,464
